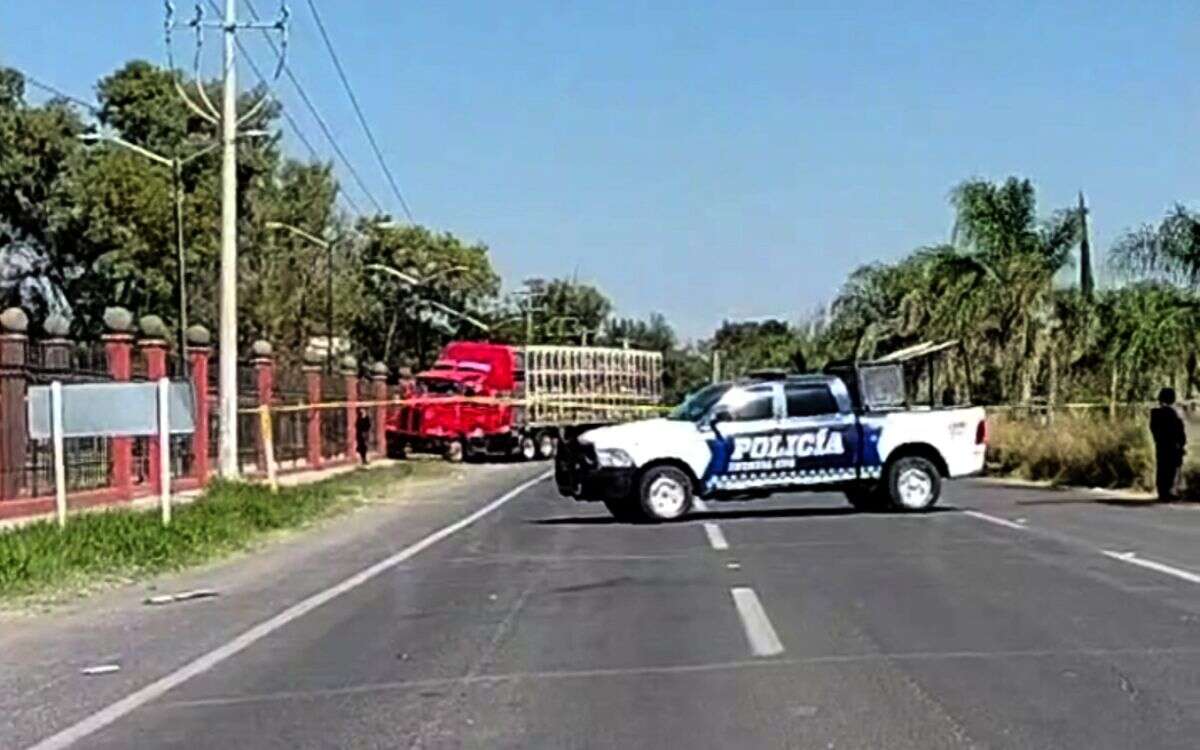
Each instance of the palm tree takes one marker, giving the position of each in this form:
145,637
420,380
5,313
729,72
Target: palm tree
1169,252
1151,329
996,227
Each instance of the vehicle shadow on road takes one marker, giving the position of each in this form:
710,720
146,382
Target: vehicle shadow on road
740,513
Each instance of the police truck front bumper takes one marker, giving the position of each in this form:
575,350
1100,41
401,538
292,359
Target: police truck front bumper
579,475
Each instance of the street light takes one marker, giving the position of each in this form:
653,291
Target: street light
175,164
411,280
327,246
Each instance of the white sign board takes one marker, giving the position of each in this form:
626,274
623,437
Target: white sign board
112,409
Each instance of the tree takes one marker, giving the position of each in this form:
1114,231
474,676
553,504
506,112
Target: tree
393,316
570,310
1168,252
753,345
1152,328
653,334
37,145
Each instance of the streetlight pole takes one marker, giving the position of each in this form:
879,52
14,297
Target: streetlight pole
327,246
175,164
177,188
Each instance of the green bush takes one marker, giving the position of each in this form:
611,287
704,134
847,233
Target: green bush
1074,449
122,544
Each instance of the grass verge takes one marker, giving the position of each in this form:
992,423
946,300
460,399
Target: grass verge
1084,450
1087,450
119,545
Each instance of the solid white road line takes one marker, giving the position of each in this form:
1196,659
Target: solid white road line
760,633
996,520
115,711
716,537
1133,559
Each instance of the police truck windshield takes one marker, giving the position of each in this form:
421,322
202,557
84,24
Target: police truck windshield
695,406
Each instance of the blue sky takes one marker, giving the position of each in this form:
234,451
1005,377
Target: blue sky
712,160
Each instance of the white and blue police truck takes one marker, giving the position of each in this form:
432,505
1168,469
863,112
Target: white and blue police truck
851,431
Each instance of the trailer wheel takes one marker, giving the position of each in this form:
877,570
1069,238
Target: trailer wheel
913,484
527,449
547,445
454,451
394,447
665,493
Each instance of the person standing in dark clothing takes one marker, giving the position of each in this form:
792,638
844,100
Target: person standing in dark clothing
362,434
1170,439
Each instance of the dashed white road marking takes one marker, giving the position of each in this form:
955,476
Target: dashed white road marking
716,537
699,505
996,520
759,631
1133,559
201,664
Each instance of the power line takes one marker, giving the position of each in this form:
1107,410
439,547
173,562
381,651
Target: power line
316,115
337,63
291,121
59,93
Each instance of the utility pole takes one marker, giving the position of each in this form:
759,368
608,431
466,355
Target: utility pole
229,121
227,388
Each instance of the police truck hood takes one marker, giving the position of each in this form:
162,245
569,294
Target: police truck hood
632,435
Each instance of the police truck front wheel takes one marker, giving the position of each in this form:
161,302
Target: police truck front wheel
665,493
455,451
913,483
623,509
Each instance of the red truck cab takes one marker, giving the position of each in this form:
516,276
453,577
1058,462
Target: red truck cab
462,406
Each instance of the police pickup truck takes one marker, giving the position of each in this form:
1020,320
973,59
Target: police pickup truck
851,431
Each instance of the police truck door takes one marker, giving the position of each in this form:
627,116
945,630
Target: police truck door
820,435
751,418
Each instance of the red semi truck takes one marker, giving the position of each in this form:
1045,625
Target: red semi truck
485,399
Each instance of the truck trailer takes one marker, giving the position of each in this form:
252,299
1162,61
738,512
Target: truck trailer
484,399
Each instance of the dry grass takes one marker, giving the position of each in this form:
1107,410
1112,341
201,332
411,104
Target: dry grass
1087,450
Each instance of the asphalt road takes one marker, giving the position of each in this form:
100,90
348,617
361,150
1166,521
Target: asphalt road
1037,619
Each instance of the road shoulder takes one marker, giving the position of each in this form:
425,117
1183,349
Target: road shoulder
42,687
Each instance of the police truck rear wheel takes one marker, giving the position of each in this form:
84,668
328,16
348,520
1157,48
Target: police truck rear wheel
913,484
527,448
665,493
454,451
547,445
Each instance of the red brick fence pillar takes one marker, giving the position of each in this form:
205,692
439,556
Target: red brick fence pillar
350,377
13,434
118,348
312,378
264,380
198,352
154,354
379,374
